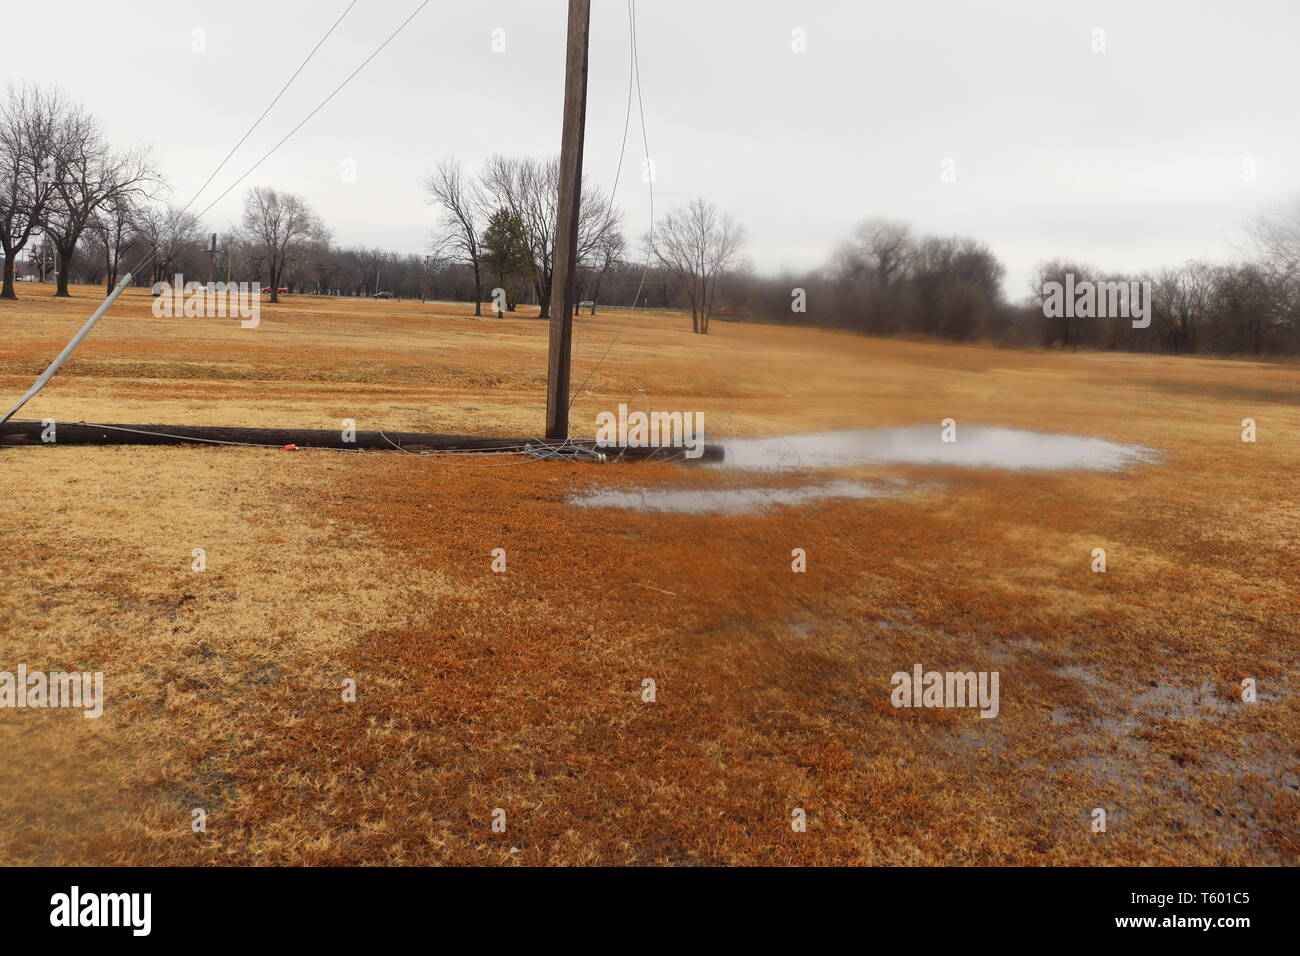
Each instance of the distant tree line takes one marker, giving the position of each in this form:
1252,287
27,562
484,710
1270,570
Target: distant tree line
76,209
80,209
886,280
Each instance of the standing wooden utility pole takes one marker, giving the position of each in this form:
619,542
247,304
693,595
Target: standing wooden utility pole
566,222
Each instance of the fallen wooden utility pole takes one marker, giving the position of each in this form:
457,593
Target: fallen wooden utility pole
23,432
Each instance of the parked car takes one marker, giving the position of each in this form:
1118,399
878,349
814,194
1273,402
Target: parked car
382,295
266,290
586,304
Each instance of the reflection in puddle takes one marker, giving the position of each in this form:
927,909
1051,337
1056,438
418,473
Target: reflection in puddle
974,448
694,501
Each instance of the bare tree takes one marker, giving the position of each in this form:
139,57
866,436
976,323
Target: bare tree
323,264
172,233
1180,299
1246,307
366,264
1276,239
697,245
530,189
276,224
30,155
955,286
608,253
115,223
1066,328
91,174
880,251
462,209
524,187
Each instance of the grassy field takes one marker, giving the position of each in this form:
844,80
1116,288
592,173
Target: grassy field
523,691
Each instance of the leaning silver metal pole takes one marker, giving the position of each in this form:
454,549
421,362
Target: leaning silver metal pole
67,349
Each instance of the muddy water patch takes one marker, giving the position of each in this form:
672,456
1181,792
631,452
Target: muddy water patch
974,447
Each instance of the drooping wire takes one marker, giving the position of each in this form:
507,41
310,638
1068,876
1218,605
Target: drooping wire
618,170
44,378
634,71
257,122
267,155
627,112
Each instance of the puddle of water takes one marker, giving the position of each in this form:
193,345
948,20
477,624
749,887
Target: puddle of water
974,448
694,501
1183,703
920,445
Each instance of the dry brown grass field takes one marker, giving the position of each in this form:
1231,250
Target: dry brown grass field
522,691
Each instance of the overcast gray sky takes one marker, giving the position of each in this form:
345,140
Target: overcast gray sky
1127,159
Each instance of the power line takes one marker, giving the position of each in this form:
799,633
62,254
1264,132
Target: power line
269,107
634,69
303,122
627,112
618,170
103,307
